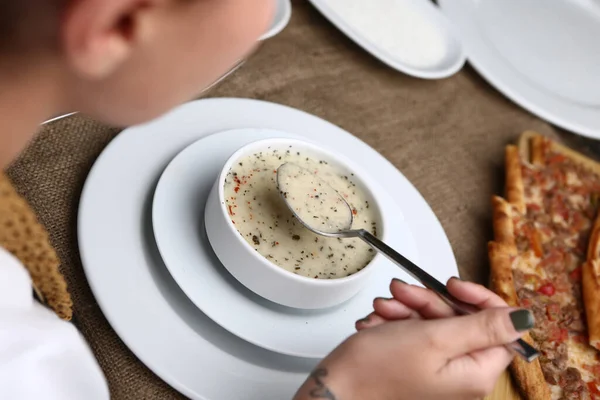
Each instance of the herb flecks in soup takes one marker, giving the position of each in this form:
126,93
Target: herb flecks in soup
313,200
262,218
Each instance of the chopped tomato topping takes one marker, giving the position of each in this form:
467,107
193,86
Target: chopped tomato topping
547,289
558,177
556,158
556,334
579,222
534,207
536,243
555,256
594,369
537,175
559,208
562,284
553,311
593,388
575,274
564,213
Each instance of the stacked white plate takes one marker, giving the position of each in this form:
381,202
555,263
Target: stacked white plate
542,55
248,348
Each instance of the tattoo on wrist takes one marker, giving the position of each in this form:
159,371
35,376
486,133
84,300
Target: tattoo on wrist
320,391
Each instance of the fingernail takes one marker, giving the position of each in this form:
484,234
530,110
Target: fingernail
398,280
383,298
457,278
363,321
522,320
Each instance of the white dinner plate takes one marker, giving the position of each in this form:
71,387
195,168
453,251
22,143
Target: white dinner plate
451,56
543,55
178,221
137,294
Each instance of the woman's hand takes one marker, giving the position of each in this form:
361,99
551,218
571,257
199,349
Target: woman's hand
409,301
414,347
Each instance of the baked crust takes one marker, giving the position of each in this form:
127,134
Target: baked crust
531,146
591,298
501,272
528,376
590,279
503,223
526,148
515,193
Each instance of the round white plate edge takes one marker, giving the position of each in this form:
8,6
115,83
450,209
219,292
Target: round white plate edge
383,56
515,95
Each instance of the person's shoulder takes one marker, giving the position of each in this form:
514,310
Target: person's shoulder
15,282
42,356
6,258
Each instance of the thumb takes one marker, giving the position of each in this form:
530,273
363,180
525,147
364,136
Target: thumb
482,330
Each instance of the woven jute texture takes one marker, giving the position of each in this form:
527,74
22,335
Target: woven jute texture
446,136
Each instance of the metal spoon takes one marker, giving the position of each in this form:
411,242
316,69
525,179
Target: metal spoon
297,187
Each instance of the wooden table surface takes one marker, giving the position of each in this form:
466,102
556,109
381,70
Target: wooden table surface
505,390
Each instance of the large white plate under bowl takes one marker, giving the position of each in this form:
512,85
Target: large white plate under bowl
544,57
135,291
178,221
357,20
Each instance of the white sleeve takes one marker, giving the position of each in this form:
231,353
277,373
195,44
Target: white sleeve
41,356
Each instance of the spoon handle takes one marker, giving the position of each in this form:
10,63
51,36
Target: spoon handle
524,349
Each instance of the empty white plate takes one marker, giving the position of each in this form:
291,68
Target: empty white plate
414,37
542,55
178,220
135,291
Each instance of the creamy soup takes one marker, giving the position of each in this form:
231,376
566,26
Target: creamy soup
314,201
262,218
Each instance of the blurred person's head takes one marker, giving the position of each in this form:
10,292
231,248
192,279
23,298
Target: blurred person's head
122,61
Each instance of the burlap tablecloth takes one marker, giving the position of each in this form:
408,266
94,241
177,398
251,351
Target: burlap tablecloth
446,136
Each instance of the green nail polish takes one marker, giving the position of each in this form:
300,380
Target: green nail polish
522,320
363,321
398,280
